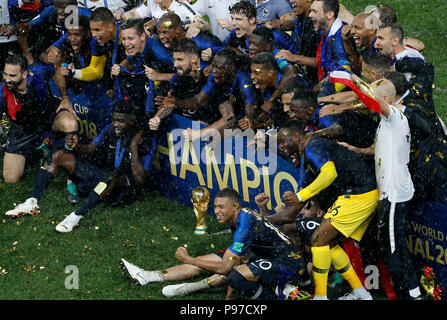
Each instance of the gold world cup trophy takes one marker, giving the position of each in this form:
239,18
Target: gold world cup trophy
200,199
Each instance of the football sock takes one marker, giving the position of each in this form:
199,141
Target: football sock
253,290
341,262
41,183
321,259
196,286
89,203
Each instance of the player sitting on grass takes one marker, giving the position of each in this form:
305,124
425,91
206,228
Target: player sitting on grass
129,152
274,259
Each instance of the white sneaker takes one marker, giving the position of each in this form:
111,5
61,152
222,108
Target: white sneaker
354,296
176,290
68,223
29,207
140,276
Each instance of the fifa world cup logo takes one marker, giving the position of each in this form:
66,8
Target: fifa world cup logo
200,199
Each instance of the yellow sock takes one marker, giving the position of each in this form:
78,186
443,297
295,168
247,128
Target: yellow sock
321,260
341,263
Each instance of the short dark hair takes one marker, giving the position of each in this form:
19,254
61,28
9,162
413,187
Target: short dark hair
187,46
331,5
137,24
66,2
305,99
230,56
396,31
17,59
173,18
387,14
294,126
231,194
267,60
376,61
245,8
84,22
293,87
265,33
400,82
102,14
124,107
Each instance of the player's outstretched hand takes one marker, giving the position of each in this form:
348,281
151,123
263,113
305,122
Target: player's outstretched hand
291,198
262,199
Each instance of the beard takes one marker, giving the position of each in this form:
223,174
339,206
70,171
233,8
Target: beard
321,24
13,85
184,72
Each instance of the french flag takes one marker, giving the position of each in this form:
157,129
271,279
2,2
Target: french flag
344,77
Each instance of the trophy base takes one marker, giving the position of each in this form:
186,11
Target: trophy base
200,231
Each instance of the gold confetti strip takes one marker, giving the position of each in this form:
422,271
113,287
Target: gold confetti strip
165,228
294,255
174,238
29,268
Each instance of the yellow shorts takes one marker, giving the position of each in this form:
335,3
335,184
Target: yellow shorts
351,214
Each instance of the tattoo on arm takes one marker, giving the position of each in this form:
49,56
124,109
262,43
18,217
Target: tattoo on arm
165,112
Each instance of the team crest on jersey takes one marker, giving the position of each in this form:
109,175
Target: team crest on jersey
237,246
265,12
